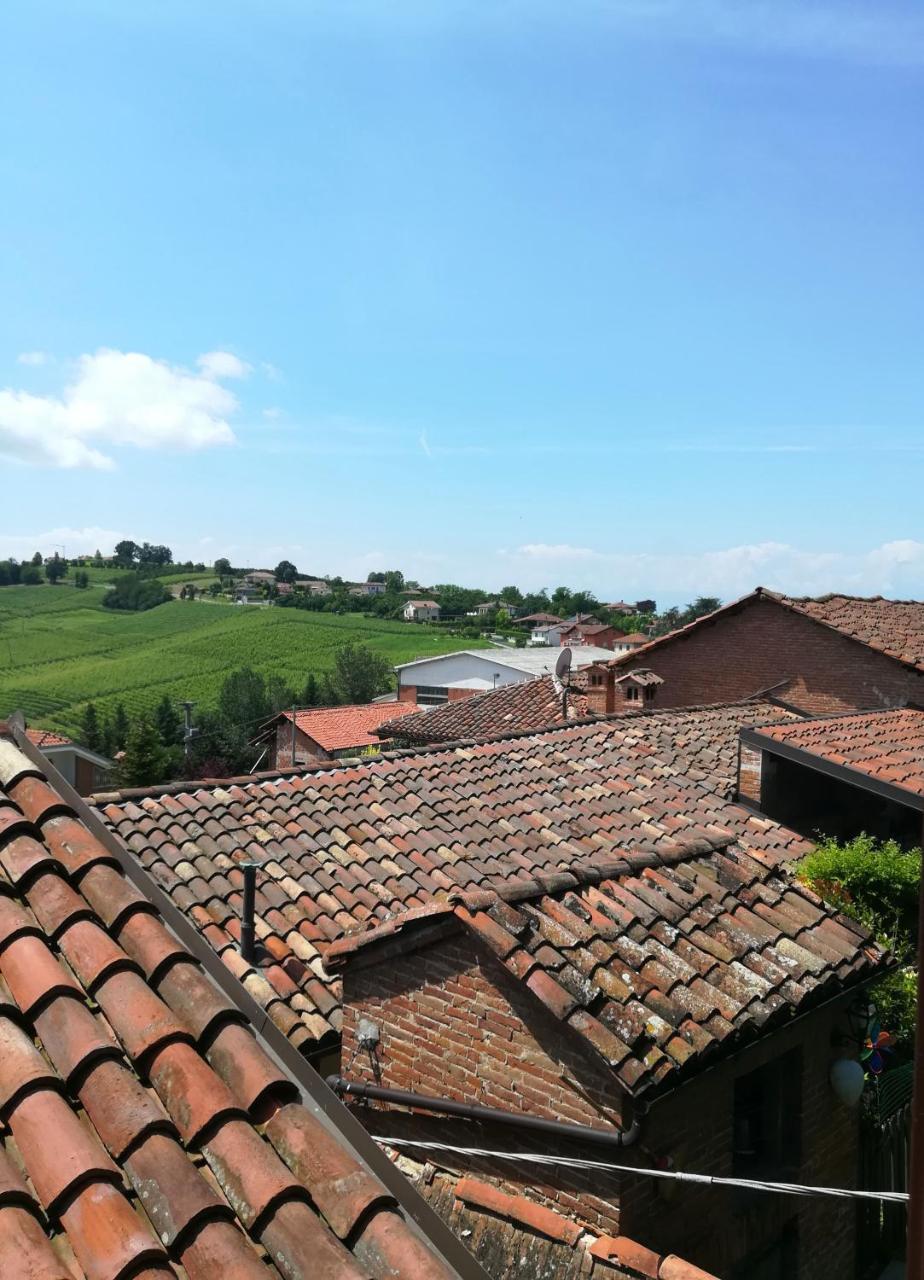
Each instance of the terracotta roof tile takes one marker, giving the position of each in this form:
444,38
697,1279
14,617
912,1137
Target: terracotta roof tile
887,746
343,728
137,1103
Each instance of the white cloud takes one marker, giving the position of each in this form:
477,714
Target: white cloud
123,399
894,568
33,357
222,364
77,542
425,444
272,414
557,551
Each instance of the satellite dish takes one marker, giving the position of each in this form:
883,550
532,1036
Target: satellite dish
563,665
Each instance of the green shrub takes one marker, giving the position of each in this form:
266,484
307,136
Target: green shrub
135,593
876,882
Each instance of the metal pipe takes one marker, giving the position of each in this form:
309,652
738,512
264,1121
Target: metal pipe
248,939
914,1265
491,1115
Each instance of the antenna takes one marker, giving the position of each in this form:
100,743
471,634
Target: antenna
562,671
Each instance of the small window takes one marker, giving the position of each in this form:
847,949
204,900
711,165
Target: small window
649,692
767,1122
432,695
596,679
632,693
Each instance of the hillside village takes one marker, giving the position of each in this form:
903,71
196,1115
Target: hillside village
540,913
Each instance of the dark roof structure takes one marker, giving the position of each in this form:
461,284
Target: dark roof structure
885,747
532,704
892,627
565,811
144,1130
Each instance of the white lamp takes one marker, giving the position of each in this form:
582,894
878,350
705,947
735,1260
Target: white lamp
847,1079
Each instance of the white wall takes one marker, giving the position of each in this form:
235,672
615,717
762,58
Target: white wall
461,670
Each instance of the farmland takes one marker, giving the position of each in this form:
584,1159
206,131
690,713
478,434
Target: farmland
60,649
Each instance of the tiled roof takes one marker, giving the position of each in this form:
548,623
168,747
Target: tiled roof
885,745
343,848
550,618
534,704
896,627
513,1235
47,738
339,728
701,742
635,637
144,1130
658,958
893,627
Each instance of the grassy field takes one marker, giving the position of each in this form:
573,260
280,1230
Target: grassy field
59,650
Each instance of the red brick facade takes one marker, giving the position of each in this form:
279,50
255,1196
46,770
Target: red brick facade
408,693
453,1023
764,643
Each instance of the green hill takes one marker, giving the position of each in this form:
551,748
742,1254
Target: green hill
59,650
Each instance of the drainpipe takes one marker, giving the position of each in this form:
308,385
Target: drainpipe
490,1115
248,948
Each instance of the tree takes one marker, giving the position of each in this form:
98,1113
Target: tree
90,732
169,722
222,567
81,579
98,559
30,575
311,692
154,554
394,581
376,577
55,569
286,571
135,594
126,553
145,761
214,588
38,559
511,595
119,728
359,674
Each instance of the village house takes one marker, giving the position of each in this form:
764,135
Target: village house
431,682
628,644
835,653
154,1122
85,770
582,633
259,578
569,925
421,611
367,589
313,586
325,733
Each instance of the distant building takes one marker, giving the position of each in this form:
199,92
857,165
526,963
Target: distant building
421,611
84,769
431,682
314,586
326,733
367,589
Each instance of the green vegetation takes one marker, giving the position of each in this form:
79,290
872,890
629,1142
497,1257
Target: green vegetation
878,883
60,650
135,594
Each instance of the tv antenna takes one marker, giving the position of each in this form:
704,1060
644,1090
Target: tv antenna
562,672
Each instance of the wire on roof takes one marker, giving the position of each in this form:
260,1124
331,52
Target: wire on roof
747,1184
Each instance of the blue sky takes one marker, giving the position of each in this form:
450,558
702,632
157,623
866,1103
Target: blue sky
620,293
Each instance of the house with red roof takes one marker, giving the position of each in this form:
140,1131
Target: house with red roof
828,654
84,769
327,733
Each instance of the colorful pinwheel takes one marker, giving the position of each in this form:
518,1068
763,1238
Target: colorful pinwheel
878,1042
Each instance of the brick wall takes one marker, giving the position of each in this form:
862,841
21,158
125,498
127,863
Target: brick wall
764,643
453,1023
717,1227
408,693
306,749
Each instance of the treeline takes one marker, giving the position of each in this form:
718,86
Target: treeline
136,593
13,573
153,747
